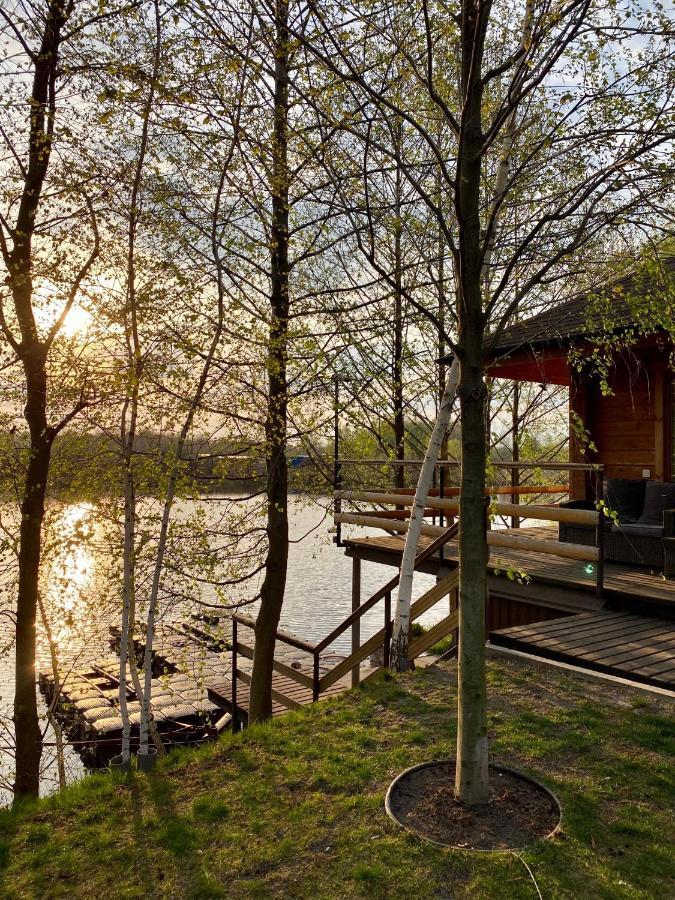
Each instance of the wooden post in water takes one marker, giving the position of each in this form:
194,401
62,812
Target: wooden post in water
356,625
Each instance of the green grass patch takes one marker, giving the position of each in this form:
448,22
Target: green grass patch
295,809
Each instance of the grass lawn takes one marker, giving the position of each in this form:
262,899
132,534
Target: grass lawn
295,809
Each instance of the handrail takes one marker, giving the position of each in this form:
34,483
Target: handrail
316,682
494,538
528,511
283,636
447,535
417,608
280,667
497,464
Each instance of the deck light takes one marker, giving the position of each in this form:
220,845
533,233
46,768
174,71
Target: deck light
589,568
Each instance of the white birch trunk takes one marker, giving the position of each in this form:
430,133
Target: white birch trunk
399,645
147,722
127,588
58,734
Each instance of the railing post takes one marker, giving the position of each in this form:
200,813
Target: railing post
600,532
515,495
235,717
315,677
454,605
337,467
356,625
441,517
337,503
387,629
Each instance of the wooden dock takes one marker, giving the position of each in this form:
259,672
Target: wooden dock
627,646
88,709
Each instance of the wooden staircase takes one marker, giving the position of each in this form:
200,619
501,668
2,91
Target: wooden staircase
295,687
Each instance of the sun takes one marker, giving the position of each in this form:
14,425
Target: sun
76,322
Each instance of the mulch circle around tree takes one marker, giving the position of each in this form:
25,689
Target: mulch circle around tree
519,812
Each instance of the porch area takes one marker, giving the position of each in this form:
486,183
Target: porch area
547,596
552,609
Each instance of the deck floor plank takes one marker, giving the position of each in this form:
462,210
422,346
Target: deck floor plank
599,633
635,647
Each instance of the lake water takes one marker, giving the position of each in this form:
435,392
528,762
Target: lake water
318,597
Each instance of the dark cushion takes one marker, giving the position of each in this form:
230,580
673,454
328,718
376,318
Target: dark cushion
659,496
669,523
636,530
626,497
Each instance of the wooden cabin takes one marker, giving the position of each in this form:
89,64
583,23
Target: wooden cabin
598,592
630,428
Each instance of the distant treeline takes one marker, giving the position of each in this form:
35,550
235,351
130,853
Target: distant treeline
90,465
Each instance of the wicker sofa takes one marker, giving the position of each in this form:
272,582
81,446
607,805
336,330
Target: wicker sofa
641,531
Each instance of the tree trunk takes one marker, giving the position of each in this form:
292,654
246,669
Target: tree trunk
471,782
397,367
515,450
53,721
472,749
26,724
32,352
276,563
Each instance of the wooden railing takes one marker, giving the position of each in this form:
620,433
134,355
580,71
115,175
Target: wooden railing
318,684
345,475
398,524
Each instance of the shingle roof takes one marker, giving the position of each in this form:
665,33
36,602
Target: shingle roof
579,316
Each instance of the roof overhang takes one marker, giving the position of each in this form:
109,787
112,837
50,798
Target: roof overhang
547,365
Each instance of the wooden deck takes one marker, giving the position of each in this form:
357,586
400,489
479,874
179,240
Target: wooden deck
621,582
637,648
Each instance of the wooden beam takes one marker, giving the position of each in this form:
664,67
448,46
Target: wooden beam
534,545
529,511
493,490
494,538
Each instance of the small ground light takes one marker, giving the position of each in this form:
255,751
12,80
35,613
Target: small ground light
590,569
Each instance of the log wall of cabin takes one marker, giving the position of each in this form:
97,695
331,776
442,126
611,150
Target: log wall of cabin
623,426
630,428
579,402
